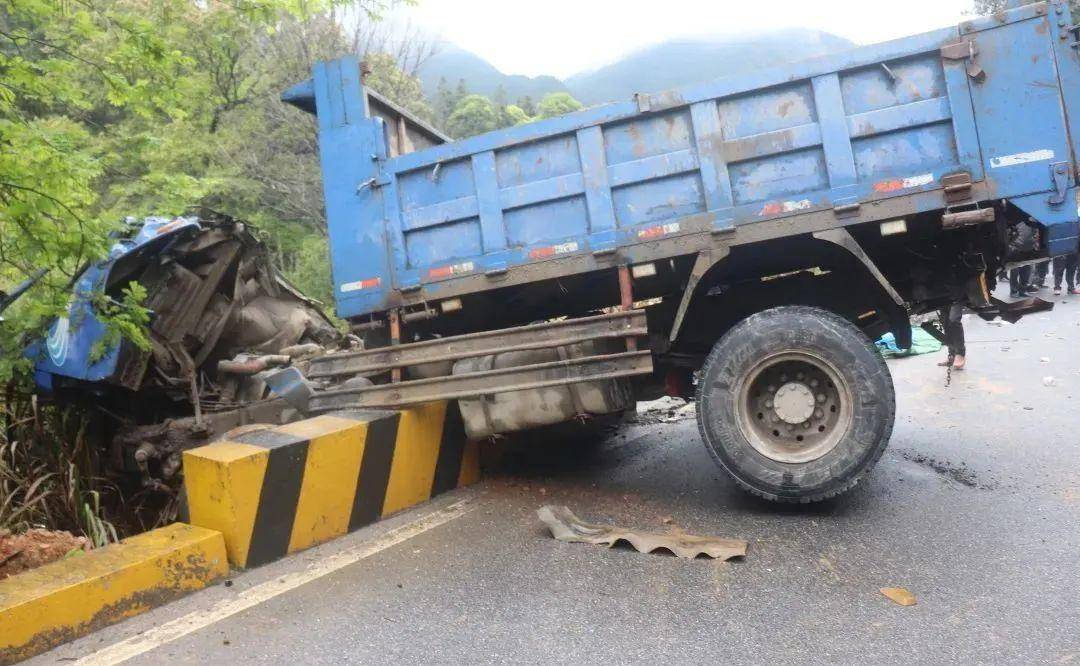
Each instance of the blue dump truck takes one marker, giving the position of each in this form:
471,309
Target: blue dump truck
741,241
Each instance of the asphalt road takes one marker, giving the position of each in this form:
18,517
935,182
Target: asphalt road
975,508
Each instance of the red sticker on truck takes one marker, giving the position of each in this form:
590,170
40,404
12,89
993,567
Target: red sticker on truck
452,269
778,207
659,230
369,283
552,250
897,184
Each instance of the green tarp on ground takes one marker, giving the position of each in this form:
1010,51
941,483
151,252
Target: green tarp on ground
921,343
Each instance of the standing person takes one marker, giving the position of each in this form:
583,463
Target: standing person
1023,240
952,321
1038,280
1018,281
1066,266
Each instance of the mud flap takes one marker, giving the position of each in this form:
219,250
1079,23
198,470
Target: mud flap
1012,312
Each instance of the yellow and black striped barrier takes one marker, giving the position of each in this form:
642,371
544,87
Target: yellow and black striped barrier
281,490
74,596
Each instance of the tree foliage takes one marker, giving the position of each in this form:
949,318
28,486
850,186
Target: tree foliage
474,114
557,104
117,108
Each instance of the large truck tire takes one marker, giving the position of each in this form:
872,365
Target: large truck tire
795,404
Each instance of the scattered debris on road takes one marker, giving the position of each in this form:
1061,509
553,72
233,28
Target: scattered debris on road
666,409
899,595
34,548
565,526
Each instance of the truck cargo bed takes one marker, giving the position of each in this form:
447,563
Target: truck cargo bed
827,142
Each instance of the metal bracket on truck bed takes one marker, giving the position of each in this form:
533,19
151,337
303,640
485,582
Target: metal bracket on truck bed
630,323
560,335
452,387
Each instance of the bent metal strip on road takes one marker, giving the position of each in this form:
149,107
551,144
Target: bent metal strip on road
200,619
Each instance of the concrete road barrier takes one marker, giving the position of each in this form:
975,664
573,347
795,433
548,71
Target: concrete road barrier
281,490
63,600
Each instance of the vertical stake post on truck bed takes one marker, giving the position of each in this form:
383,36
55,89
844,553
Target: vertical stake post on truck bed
395,339
626,300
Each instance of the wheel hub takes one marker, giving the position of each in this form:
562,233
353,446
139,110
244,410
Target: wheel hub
794,407
794,402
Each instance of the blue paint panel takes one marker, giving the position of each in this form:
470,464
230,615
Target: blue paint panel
547,222
769,110
426,187
768,179
540,160
647,136
487,198
440,245
659,200
1017,151
348,142
648,168
910,152
871,88
709,143
440,213
595,179
771,143
835,141
926,112
542,190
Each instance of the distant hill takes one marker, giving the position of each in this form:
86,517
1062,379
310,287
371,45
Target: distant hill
454,63
659,67
680,62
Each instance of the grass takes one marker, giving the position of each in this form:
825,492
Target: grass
52,472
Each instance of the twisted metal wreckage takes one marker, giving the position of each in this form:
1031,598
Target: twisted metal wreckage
221,315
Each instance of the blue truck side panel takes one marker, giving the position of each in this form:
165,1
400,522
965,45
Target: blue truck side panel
883,121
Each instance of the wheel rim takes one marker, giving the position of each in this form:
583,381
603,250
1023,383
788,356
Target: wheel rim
794,407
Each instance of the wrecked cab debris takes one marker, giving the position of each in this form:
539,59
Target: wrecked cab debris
221,315
565,526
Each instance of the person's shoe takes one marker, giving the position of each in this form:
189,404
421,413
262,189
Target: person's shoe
1074,292
959,362
1057,291
1014,294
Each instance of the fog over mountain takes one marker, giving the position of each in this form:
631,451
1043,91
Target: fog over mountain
658,67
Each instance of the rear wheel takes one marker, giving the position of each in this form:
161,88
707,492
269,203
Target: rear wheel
795,404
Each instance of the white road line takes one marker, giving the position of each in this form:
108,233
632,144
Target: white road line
253,596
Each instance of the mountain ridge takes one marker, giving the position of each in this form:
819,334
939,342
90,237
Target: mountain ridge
669,64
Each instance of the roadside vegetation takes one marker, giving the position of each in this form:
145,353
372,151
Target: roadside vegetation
111,110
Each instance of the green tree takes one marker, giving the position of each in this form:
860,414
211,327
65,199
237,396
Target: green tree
114,108
387,78
513,115
447,99
557,104
527,105
475,114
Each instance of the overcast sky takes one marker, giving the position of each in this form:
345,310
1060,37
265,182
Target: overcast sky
563,37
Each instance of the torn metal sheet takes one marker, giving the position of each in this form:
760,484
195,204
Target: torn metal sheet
565,526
